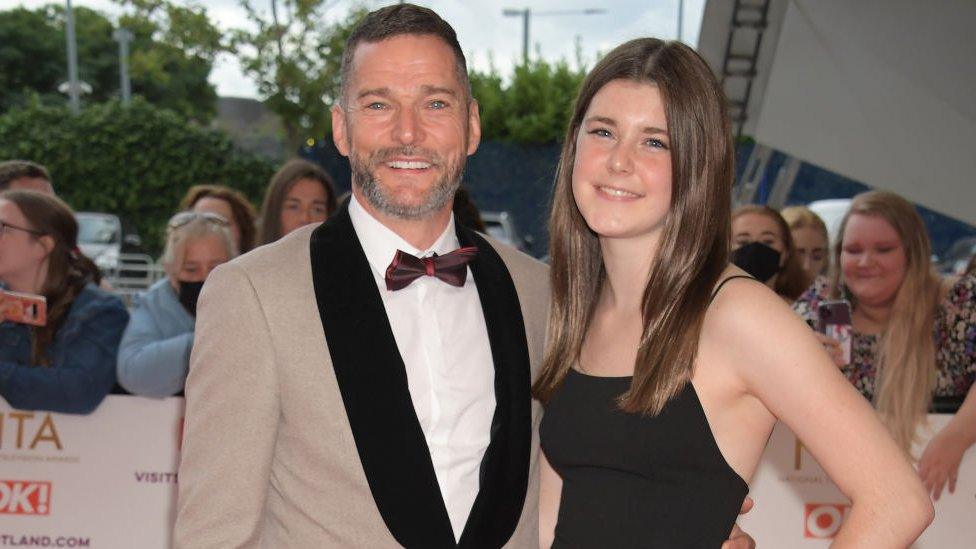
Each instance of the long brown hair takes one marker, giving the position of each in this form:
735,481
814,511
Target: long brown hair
906,356
694,247
281,182
792,280
242,209
68,271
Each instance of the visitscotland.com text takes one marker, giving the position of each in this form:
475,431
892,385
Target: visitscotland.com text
12,540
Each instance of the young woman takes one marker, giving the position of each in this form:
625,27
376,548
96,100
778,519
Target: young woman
154,355
898,304
67,365
229,204
666,368
300,193
810,238
762,245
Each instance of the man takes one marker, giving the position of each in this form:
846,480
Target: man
26,176
344,394
324,409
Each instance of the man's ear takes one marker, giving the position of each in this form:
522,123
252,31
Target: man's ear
474,127
339,131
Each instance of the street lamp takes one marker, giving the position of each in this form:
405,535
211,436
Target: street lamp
123,37
74,88
527,13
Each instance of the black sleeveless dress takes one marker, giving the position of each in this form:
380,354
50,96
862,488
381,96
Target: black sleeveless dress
636,481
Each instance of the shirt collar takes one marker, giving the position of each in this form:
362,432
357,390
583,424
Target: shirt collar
380,243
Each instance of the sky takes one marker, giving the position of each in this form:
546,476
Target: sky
485,34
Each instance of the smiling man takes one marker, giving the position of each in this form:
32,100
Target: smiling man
366,383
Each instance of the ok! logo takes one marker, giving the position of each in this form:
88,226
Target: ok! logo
25,497
823,520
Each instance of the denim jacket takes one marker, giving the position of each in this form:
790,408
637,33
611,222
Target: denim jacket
155,351
81,359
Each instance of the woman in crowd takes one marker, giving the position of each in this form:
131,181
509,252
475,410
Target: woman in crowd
882,266
666,368
155,351
762,245
810,238
68,364
300,193
229,204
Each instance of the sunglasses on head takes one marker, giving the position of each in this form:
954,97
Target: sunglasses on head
183,218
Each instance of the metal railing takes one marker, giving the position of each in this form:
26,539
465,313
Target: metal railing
134,274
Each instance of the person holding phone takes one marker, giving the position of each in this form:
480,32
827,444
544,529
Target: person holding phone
913,335
68,364
155,351
666,367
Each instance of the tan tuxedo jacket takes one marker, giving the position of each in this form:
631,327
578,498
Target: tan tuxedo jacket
299,428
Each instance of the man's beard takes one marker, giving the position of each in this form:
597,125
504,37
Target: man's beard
379,197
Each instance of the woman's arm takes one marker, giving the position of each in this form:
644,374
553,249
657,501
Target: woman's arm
957,337
550,490
82,373
150,363
940,460
780,362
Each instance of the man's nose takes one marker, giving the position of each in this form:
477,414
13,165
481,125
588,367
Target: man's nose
408,127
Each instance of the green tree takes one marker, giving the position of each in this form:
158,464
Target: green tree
533,108
135,161
294,56
33,59
171,56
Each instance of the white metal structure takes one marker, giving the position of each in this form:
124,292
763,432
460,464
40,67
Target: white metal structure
880,91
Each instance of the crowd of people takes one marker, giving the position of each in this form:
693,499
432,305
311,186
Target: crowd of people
91,344
651,300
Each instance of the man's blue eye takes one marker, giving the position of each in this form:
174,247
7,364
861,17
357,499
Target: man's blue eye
438,104
375,106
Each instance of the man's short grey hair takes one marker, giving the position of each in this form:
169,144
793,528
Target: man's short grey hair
398,20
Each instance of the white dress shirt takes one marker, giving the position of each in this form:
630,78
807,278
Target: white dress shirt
441,334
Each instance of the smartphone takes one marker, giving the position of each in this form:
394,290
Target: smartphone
834,321
24,308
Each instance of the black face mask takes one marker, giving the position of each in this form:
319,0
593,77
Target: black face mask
189,293
757,259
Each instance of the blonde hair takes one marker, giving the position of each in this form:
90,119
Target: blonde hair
906,356
792,280
198,227
694,246
801,217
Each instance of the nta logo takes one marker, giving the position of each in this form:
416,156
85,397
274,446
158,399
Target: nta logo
25,497
823,520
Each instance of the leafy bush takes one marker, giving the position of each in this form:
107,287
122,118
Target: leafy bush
135,161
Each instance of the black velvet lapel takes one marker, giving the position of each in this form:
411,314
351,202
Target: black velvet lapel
505,468
373,383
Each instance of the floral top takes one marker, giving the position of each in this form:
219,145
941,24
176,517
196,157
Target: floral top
955,340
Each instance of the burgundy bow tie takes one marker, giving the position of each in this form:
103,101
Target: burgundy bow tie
451,268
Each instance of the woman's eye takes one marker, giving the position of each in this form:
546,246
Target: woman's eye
656,143
884,250
600,132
